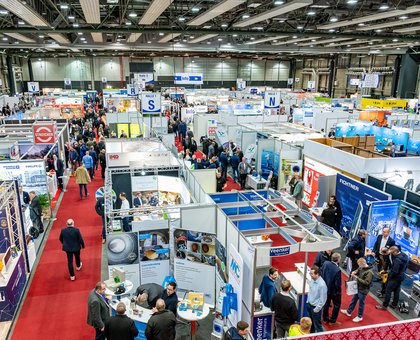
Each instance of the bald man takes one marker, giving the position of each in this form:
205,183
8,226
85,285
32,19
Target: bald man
72,241
161,325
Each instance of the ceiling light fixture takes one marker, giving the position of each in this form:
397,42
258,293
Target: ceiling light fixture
155,9
132,14
91,11
351,2
224,25
195,9
333,19
3,12
64,6
310,12
21,22
215,11
220,39
5,38
75,24
278,2
245,16
71,17
128,23
384,6
79,33
181,19
161,34
299,27
403,17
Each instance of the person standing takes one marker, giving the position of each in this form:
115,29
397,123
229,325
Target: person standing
35,212
170,297
125,205
161,325
72,241
284,308
100,210
239,332
364,276
120,326
384,262
382,241
24,196
224,162
328,216
301,329
234,163
220,182
82,178
331,274
98,310
292,182
395,278
317,296
268,286
244,169
356,248
298,190
148,293
321,257
102,162
88,163
58,166
338,212
138,202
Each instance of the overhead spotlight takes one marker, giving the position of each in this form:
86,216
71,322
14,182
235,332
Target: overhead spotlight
294,37
378,31
41,36
5,38
132,15
384,6
245,16
128,23
195,9
394,40
64,6
351,2
79,33
21,22
252,38
161,33
278,2
333,18
332,30
310,12
181,19
224,25
361,24
220,39
403,17
299,27
3,12
143,173
75,24
71,17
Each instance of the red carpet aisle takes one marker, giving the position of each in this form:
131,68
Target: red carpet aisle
55,307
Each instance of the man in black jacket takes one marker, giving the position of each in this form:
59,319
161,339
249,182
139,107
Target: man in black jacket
148,294
321,257
284,308
395,278
161,325
356,248
120,326
383,240
331,274
35,212
100,210
72,241
58,166
170,297
98,310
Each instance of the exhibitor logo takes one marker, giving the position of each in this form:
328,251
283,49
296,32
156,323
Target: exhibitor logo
44,134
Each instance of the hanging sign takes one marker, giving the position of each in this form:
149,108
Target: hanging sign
150,103
33,86
271,100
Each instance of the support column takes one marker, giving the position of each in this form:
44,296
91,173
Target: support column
395,76
406,87
292,71
331,78
30,70
10,75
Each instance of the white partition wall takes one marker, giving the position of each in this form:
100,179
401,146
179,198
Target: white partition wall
232,235
221,227
206,178
200,219
247,251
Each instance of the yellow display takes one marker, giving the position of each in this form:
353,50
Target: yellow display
195,300
382,103
122,128
134,130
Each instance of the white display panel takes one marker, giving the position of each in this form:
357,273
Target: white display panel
221,227
237,276
31,175
247,253
144,183
232,234
199,218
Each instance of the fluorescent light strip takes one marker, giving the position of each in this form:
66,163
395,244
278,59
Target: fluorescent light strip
381,46
25,13
91,11
215,11
133,37
169,37
294,40
259,41
204,37
20,37
356,42
407,29
283,9
97,37
390,24
373,17
59,38
320,42
156,8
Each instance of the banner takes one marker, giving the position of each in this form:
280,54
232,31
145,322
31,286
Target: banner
311,85
271,100
33,86
31,175
349,193
211,127
188,78
249,152
150,103
371,80
288,167
262,327
266,161
44,133
222,137
383,103
235,273
408,228
132,90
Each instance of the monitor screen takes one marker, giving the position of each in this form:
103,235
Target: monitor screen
413,198
396,192
376,183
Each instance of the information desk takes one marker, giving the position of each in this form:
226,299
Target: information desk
139,320
255,183
194,316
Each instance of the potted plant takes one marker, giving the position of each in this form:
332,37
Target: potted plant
44,201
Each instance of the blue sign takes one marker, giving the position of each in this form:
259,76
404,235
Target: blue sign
262,327
188,78
279,251
276,164
150,103
266,162
349,193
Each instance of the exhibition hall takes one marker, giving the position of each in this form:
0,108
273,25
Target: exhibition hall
237,169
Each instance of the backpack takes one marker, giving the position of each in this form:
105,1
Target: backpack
403,307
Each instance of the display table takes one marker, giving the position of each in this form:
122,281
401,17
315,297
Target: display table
192,316
139,320
255,183
52,184
263,261
128,287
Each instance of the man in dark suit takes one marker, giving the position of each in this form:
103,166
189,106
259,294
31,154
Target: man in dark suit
170,297
98,310
120,326
284,308
58,166
331,274
356,248
382,241
24,196
100,210
137,202
35,212
72,241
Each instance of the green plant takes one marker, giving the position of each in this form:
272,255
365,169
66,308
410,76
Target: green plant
44,202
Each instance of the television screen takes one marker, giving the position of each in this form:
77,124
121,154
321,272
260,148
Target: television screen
376,183
397,193
413,198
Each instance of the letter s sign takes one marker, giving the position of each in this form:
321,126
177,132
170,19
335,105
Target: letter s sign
151,105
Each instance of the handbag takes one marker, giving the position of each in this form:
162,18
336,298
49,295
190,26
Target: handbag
351,287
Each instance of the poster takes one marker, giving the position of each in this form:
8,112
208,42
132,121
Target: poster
122,249
235,273
154,255
288,167
135,130
349,193
195,260
211,127
311,172
276,165
122,129
262,327
408,228
382,214
266,162
31,175
4,232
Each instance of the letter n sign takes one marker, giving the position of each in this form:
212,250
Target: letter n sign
271,100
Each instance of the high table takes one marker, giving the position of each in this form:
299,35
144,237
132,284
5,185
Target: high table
139,320
128,287
255,183
192,316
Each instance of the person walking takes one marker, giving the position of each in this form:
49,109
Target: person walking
58,166
72,241
102,162
317,296
331,274
395,278
244,169
98,310
284,308
35,212
120,326
161,325
364,276
82,178
88,163
125,205
298,190
100,210
356,248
